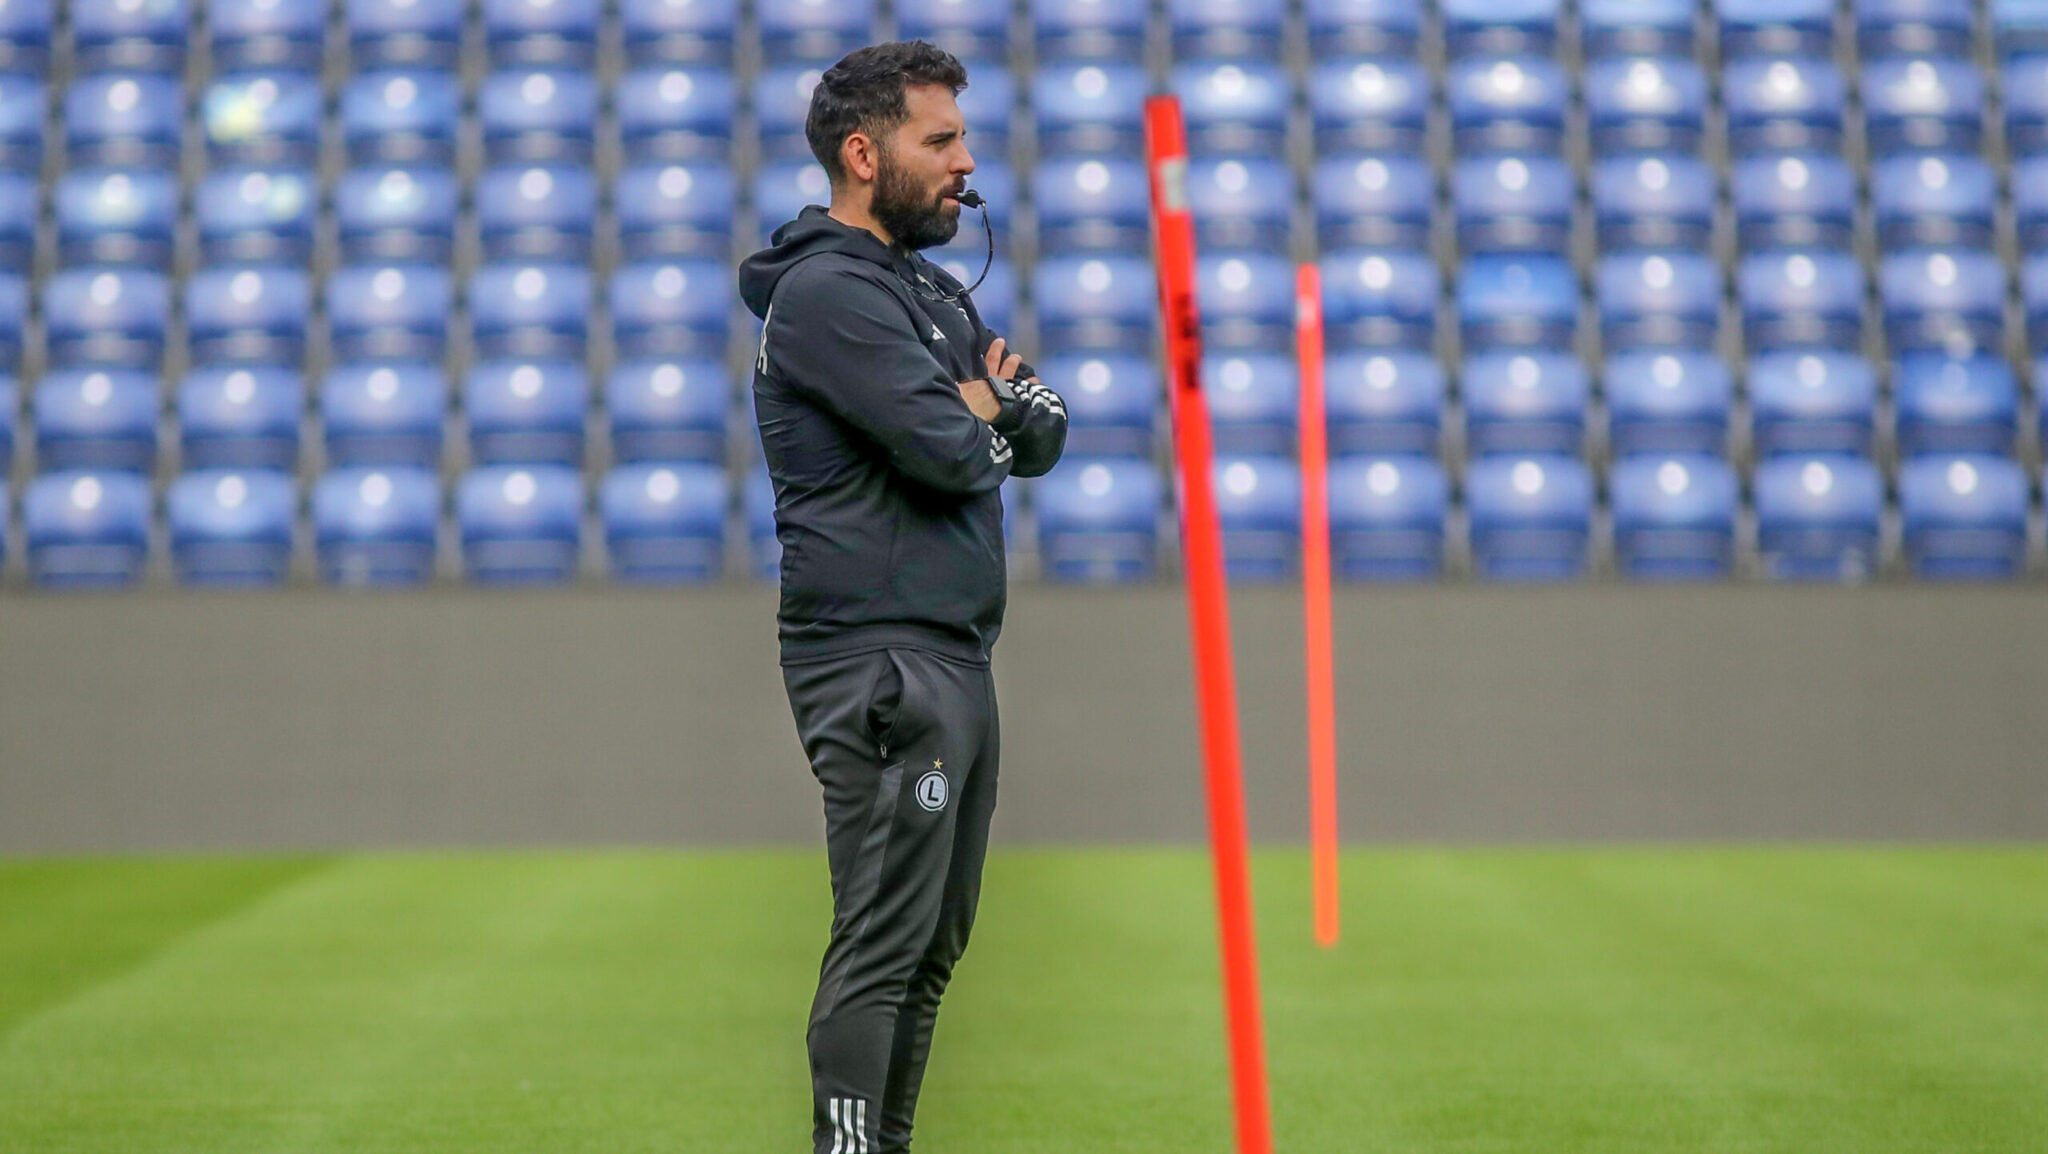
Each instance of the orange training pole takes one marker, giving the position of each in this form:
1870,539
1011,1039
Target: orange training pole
1209,617
1315,597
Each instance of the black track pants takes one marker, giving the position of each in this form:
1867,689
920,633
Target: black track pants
904,743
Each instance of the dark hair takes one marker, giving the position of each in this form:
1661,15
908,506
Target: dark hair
864,93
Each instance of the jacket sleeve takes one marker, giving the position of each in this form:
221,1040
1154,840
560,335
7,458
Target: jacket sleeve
845,342
1034,418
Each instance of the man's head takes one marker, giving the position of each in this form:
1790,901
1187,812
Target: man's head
886,126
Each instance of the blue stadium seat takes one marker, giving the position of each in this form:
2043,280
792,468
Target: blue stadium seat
1923,104
1373,201
664,521
1964,517
401,117
106,316
546,32
111,35
1799,200
2034,296
389,311
131,119
384,414
232,528
669,410
86,530
21,199
1113,402
2030,202
24,101
536,212
377,525
675,209
410,33
1637,27
1352,28
520,524
1658,299
2025,93
1674,517
1518,300
1380,298
1819,517
1525,402
1513,203
1660,200
1092,202
1939,200
248,314
256,215
1246,299
1812,402
241,417
1531,517
96,419
782,102
1956,405
1914,27
1380,103
1499,27
1387,516
1507,103
1646,104
526,412
1794,298
539,114
1384,402
1254,402
784,189
973,32
530,310
1069,29
1090,106
821,31
2019,27
1258,501
10,415
1095,302
1098,519
1753,27
757,510
989,105
26,27
266,33
13,319
397,213
671,308
115,216
1784,104
1668,401
1226,29
1241,204
1951,299
269,117
996,299
676,112
679,31
1234,107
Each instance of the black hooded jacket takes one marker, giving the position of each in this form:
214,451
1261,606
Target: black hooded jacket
887,488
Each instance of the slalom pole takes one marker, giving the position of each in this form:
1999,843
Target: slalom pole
1315,599
1173,230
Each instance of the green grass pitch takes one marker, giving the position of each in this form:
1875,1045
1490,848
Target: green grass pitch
1632,1001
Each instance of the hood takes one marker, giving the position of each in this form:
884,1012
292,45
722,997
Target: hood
812,232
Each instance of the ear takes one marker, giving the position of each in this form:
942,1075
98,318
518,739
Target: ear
858,156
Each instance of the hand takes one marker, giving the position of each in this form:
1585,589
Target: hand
999,365
981,399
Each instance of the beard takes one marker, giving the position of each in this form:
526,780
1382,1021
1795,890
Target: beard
915,219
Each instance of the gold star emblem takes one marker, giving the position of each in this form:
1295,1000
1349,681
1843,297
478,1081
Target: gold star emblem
938,764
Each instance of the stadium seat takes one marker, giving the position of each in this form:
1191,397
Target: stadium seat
408,33
782,102
401,117
1784,104
536,212
520,524
1667,401
973,32
542,32
1819,518
1674,517
669,410
2025,94
1754,27
24,101
1964,517
820,31
256,215
1801,200
1101,303
1923,104
389,213
26,28
526,412
1384,402
232,528
103,419
1518,300
1373,201
21,200
1956,405
1072,29
247,34
1801,298
2019,27
665,521
671,308
1378,104
114,216
1914,27
1090,106
665,32
1646,104
1507,103
269,117
1524,402
1531,517
106,316
996,299
784,189
10,415
1113,402
1950,299
2034,297
1247,300
2030,202
1092,203
1658,299
1812,402
1258,501
377,525
1513,203
241,417
676,112
1499,27
1234,107
989,105
124,119
1637,27
675,209
757,509
539,114
1098,519
113,35
248,314
1353,28
1240,203
86,530
1254,402
389,311
1936,200
13,319
1660,200
1380,298
1387,517
384,414
530,310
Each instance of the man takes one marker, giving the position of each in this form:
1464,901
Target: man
890,417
